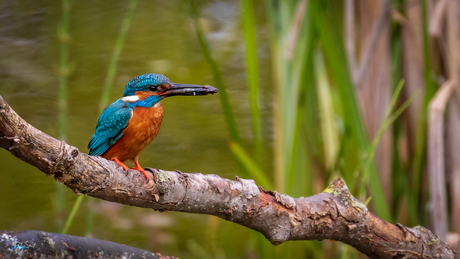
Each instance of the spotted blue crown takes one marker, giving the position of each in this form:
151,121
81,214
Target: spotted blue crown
142,83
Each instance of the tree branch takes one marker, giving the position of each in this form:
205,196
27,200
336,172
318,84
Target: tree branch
332,214
40,244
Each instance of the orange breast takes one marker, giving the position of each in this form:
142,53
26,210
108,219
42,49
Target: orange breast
142,129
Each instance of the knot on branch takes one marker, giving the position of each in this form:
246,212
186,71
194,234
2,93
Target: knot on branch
337,186
65,160
169,188
9,142
346,201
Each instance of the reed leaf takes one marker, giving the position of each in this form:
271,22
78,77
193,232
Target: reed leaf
430,90
223,95
251,166
333,49
328,126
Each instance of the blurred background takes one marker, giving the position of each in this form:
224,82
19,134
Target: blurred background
308,91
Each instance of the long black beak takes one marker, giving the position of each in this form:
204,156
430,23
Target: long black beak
185,89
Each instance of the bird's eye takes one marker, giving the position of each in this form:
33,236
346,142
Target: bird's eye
153,87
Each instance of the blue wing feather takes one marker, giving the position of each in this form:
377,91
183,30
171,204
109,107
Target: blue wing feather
110,127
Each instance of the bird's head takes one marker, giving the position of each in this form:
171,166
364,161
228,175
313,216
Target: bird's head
160,85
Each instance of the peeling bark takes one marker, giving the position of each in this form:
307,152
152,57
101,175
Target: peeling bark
333,214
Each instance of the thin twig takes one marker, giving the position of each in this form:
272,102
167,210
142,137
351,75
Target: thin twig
350,36
435,26
453,38
436,166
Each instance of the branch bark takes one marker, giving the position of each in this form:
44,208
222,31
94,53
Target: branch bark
40,244
333,214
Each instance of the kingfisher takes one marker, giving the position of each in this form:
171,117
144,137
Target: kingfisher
129,124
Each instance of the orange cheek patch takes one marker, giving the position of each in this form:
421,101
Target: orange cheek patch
144,94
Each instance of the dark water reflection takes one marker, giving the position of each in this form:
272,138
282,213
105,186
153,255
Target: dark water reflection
193,138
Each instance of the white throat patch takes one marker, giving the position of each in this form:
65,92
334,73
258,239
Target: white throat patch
130,99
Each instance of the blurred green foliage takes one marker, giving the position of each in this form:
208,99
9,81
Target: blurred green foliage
318,129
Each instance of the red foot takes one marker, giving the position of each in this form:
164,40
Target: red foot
120,164
140,169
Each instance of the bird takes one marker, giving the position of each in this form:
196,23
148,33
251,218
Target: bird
130,123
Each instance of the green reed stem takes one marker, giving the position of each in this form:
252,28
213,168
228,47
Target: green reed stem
291,40
430,90
64,71
252,72
74,211
334,52
223,95
251,166
64,38
116,55
329,130
71,216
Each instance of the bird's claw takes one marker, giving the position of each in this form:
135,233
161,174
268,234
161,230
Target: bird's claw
140,169
121,164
